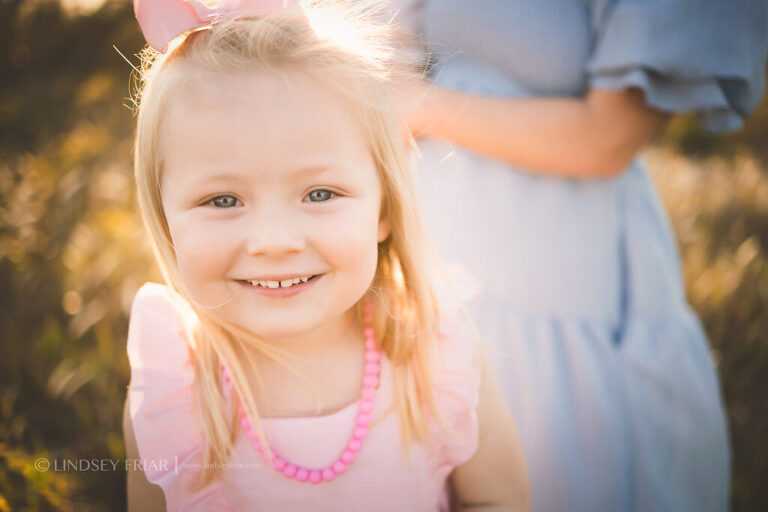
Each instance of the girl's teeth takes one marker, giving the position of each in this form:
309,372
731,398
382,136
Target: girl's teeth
281,284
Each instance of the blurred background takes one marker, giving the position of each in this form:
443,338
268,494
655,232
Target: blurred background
73,253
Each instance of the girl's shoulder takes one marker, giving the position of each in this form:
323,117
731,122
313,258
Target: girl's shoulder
167,427
158,306
458,339
158,333
456,382
457,343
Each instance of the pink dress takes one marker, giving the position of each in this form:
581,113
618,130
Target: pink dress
169,433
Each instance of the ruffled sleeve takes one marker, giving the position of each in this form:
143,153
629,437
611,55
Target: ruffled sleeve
456,388
169,435
701,56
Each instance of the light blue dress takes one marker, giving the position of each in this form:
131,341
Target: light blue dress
604,364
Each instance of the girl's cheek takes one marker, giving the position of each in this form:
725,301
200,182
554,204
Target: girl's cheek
356,242
202,249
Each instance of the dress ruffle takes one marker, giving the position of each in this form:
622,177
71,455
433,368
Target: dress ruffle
698,56
169,433
456,388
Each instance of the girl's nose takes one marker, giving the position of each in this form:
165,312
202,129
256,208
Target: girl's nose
274,238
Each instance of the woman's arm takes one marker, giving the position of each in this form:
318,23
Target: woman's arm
142,495
495,478
593,137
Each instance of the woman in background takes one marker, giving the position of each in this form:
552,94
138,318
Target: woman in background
530,180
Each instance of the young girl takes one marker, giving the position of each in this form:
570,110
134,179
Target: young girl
298,357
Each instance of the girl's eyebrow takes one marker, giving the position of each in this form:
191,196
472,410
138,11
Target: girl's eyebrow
298,172
318,169
222,177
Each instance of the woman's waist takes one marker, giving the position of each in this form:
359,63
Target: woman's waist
541,285
556,244
486,205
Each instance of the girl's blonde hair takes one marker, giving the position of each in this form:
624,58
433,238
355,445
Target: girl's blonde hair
341,48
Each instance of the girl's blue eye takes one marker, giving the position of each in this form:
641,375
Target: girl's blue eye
224,201
317,196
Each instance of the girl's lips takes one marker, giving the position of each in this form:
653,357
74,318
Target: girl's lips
282,292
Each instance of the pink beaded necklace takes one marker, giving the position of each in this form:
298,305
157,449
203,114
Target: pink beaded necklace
360,431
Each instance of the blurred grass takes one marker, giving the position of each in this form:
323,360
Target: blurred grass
72,254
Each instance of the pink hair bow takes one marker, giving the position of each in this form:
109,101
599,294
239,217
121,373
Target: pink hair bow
163,20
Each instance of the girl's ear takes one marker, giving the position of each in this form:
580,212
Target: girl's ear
383,230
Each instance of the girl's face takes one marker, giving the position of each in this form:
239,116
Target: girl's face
266,182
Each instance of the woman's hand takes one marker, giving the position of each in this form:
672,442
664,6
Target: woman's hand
591,137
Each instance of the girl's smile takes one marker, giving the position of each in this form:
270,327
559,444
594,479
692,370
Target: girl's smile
281,286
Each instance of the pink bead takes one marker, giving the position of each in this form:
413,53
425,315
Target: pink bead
371,368
279,464
347,457
360,433
328,474
339,467
370,344
354,445
315,476
302,474
245,423
371,356
366,406
363,419
370,381
256,446
368,332
369,393
289,471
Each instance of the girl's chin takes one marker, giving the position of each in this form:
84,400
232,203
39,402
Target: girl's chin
272,330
